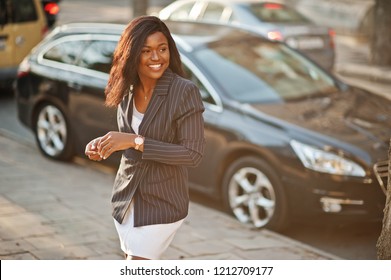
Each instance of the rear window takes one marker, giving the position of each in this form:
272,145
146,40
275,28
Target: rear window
23,11
276,13
98,56
65,52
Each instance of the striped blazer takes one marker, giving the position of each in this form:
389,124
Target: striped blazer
157,178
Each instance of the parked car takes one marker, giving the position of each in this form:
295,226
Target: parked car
285,139
52,9
22,26
272,19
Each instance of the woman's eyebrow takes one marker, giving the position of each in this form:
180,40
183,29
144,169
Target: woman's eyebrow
161,44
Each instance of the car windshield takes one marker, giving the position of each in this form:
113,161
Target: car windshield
276,13
252,70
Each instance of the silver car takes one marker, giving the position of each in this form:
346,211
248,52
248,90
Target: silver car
273,20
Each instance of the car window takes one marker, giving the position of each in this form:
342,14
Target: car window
253,70
65,52
274,12
213,12
3,13
205,95
182,13
24,11
98,56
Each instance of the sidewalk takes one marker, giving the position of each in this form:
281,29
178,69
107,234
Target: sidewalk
353,66
54,211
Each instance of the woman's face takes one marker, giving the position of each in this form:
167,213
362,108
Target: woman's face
155,57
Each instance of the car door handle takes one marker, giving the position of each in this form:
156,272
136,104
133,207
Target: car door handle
75,86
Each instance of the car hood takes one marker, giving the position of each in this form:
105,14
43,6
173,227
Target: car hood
354,117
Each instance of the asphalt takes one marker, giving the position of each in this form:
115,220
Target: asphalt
52,210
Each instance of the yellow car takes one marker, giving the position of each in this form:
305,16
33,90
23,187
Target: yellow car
23,25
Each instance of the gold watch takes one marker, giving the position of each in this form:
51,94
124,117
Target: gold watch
138,141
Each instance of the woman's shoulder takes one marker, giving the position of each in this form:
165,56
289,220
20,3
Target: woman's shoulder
183,82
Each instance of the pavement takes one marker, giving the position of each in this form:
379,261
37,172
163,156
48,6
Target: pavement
52,210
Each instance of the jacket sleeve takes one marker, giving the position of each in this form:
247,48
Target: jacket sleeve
190,134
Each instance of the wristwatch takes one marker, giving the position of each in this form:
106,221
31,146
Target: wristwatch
138,141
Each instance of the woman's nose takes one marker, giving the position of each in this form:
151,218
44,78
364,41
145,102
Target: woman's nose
154,55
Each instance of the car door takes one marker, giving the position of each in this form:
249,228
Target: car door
23,27
91,117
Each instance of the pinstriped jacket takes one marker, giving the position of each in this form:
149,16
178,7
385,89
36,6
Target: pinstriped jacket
173,128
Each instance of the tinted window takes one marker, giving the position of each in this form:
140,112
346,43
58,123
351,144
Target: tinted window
182,13
24,11
252,70
273,12
98,56
3,12
65,52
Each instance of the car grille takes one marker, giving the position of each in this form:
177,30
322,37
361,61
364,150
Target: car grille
381,172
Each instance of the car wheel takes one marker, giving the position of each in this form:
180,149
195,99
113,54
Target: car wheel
253,194
52,133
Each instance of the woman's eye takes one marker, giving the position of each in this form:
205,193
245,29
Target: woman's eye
145,51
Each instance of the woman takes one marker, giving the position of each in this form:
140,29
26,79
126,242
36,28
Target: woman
161,133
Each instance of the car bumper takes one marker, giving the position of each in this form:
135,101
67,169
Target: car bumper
327,195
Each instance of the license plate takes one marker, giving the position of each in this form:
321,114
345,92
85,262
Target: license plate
310,43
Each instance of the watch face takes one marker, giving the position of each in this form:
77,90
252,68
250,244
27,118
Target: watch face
139,140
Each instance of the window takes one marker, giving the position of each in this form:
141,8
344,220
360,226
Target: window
24,11
98,56
182,13
206,97
268,73
213,12
65,52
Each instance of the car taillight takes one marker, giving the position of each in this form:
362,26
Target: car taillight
24,68
52,8
332,35
275,35
272,6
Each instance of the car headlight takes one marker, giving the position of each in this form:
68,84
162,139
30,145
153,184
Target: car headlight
326,162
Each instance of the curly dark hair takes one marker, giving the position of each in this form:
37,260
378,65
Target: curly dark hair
126,58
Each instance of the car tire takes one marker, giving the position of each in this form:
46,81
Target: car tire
52,133
253,193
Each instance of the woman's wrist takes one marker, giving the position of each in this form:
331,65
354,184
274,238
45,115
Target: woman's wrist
139,143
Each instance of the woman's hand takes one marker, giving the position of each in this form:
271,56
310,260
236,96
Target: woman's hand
91,150
115,141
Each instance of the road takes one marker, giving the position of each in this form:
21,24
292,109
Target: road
348,241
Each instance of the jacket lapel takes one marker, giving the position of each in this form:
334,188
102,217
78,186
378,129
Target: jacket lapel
159,94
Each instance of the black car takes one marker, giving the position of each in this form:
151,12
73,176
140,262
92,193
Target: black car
284,138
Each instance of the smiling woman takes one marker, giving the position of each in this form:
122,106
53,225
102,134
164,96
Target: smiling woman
160,133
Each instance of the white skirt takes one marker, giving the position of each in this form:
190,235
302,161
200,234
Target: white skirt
146,241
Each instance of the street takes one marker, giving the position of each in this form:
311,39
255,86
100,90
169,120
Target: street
348,241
